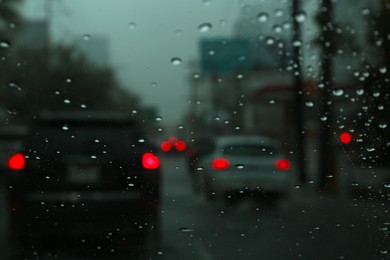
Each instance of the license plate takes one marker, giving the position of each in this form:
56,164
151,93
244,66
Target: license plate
83,174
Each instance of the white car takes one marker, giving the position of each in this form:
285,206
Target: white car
246,163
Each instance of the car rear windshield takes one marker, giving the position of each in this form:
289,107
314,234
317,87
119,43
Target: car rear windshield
77,137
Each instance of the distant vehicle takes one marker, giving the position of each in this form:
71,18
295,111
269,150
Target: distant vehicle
198,148
245,164
84,176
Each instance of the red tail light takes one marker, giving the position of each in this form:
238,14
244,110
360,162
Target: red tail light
150,161
283,164
180,146
17,162
220,164
166,146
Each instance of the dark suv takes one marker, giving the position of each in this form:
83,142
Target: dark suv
88,177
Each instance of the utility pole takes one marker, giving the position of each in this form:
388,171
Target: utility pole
327,155
299,135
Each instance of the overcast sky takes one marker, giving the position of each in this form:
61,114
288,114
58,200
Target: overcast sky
143,38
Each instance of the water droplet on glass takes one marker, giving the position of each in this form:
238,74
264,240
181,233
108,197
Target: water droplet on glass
270,40
370,149
240,76
323,118
83,106
277,29
380,107
132,25
271,101
93,157
65,128
195,75
338,92
141,140
199,168
262,17
5,44
376,94
204,27
68,80
159,118
300,17
217,118
86,37
360,91
178,32
383,70
176,61
66,101
240,166
180,126
279,12
382,125
14,85
309,104
365,11
184,229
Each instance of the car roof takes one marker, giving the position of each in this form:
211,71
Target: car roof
245,139
87,116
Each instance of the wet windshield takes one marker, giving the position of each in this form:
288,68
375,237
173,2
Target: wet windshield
142,129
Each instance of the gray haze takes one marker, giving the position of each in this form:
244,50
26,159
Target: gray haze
143,37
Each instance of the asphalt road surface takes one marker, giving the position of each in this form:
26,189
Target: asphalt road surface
306,225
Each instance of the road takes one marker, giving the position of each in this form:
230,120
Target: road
306,225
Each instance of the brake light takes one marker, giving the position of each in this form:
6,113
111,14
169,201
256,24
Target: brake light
17,162
220,164
180,146
283,164
150,161
166,146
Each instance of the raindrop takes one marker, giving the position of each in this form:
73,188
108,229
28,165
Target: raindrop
96,141
65,128
300,17
370,149
376,94
86,37
83,106
159,118
68,80
132,25
240,166
5,44
176,61
382,125
387,185
309,103
277,29
204,27
153,84
93,157
14,85
66,101
383,70
195,75
184,229
240,76
141,140
323,118
178,32
199,169
365,11
279,12
270,40
271,101
380,107
360,91
262,17
338,92
217,118
180,126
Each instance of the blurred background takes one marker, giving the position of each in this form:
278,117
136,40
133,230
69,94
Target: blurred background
313,75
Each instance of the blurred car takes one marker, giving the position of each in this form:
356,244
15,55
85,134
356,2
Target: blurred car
85,177
10,142
198,148
246,164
